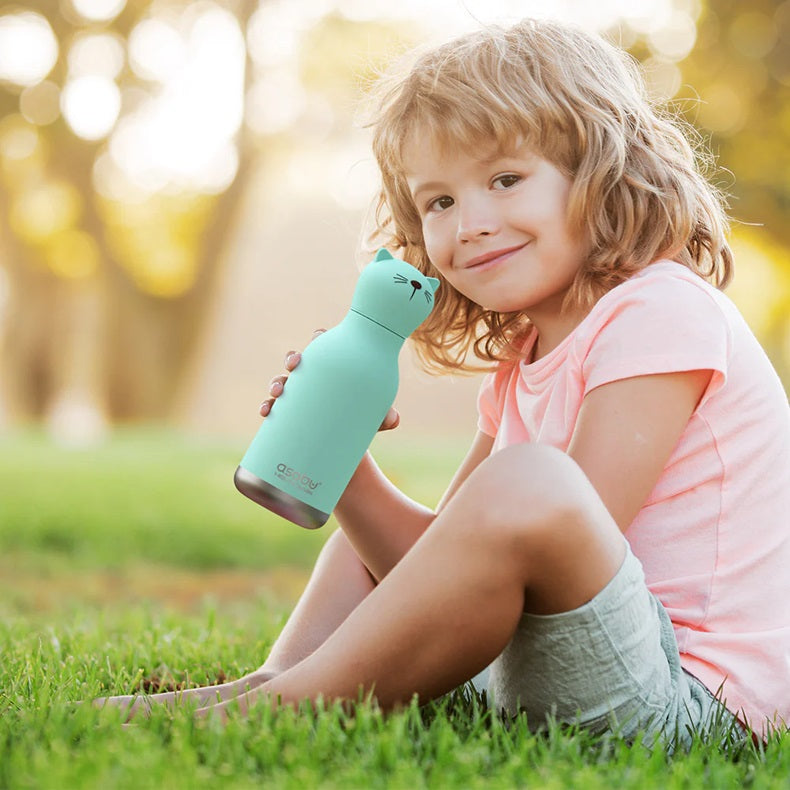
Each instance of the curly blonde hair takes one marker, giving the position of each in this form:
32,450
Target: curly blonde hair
639,191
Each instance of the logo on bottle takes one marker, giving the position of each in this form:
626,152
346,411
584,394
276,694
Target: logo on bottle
301,481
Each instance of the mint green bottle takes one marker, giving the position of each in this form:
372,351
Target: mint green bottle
307,449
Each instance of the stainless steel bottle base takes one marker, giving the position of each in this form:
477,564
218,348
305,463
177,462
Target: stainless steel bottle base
278,501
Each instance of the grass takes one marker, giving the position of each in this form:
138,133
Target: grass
163,498
138,560
46,742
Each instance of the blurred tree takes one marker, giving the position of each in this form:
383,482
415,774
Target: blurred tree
121,173
740,70
129,131
732,83
107,277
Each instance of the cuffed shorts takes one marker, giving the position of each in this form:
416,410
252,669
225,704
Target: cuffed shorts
612,665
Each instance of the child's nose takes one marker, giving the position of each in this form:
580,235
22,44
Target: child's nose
476,219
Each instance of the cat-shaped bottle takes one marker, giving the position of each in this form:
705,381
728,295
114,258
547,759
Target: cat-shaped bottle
334,402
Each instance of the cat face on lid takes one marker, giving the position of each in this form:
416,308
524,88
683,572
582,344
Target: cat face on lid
394,293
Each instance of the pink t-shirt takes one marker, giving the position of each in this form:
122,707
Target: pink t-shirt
714,534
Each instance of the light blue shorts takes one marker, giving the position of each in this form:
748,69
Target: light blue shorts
612,665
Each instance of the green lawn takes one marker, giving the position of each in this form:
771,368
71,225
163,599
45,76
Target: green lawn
139,562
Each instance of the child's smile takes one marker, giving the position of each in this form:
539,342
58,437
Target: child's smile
496,228
489,260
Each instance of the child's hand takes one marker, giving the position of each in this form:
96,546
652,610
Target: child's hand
277,386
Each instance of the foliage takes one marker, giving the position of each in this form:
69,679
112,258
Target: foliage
48,741
75,230
144,497
736,90
733,87
740,71
89,513
160,498
109,283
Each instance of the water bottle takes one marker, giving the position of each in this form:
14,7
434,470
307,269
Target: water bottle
312,441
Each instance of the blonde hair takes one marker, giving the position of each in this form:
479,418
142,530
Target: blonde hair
638,191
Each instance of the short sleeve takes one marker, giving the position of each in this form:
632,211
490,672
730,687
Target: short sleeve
657,324
489,407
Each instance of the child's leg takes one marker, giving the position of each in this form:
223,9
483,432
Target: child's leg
527,531
338,583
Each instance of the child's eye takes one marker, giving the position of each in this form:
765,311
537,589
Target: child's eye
506,180
440,203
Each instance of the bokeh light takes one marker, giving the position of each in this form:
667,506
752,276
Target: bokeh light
98,10
91,105
96,54
754,33
127,125
72,254
40,104
182,136
275,102
44,209
156,49
18,139
675,39
28,48
723,110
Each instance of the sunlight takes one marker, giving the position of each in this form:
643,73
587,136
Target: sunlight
662,77
91,105
98,10
447,17
40,104
273,35
675,40
91,101
156,50
73,254
97,53
669,27
179,131
183,136
275,103
28,48
18,140
41,211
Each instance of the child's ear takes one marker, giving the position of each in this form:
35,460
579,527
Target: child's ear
434,283
383,255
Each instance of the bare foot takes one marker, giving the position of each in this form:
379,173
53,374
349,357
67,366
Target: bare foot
142,704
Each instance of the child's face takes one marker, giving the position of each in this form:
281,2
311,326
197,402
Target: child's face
496,227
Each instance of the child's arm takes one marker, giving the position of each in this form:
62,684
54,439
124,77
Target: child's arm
626,432
624,436
381,522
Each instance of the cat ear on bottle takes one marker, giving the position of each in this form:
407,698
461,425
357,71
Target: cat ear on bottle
383,255
434,283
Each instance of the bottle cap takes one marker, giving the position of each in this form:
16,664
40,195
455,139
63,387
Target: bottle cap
394,293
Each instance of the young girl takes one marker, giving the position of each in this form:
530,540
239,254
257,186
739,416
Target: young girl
616,543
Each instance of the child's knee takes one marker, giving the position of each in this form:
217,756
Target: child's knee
529,478
531,494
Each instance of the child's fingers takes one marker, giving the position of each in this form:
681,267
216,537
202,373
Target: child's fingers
292,358
392,420
277,384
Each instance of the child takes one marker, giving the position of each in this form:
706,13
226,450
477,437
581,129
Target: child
616,542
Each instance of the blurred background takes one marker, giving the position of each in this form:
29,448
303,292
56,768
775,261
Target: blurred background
182,188
183,183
